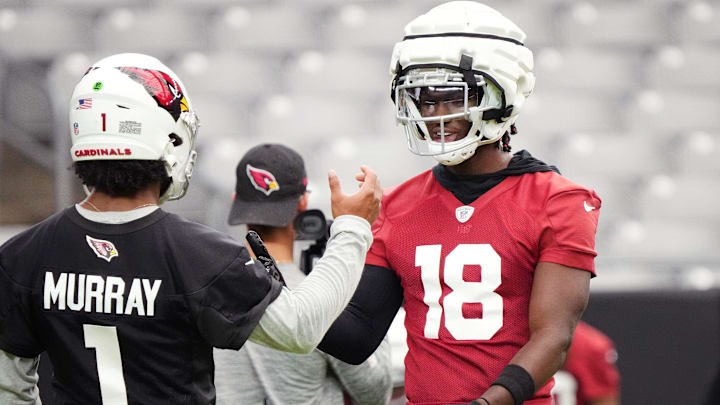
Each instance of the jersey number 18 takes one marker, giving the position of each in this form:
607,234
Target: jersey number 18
428,259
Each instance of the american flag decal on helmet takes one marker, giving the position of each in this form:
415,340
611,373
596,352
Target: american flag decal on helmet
262,180
102,248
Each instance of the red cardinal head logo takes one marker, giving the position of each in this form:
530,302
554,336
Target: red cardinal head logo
162,87
102,248
262,180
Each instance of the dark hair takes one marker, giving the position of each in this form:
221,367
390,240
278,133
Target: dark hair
122,178
504,142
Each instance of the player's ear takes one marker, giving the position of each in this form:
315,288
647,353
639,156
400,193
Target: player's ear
303,203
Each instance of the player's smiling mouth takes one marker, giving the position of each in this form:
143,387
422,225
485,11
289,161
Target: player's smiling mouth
449,136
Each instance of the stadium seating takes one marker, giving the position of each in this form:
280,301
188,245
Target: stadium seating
665,241
157,31
549,112
655,111
42,33
229,74
339,73
626,99
367,28
697,22
587,70
695,153
684,68
222,117
632,25
694,199
311,117
265,29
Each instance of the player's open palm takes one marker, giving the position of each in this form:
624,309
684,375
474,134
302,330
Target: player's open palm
365,203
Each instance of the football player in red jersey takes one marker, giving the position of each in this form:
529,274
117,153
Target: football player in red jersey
590,366
490,253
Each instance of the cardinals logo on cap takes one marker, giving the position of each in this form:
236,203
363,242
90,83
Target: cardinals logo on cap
103,249
262,180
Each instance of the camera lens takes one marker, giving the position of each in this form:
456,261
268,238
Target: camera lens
312,224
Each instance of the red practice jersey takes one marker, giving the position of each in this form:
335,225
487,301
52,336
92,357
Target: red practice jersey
467,273
591,362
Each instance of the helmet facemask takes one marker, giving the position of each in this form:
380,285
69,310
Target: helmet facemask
436,104
180,170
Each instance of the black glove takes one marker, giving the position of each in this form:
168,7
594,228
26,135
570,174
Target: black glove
262,254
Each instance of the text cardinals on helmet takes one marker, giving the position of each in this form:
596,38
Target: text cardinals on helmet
460,60
132,106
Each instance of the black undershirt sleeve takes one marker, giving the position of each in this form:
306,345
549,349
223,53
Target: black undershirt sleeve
363,324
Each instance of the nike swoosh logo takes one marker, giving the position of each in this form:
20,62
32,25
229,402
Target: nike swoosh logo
588,208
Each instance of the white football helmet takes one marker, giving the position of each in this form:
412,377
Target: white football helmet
469,58
132,106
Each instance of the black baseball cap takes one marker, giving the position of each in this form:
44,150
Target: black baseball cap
270,180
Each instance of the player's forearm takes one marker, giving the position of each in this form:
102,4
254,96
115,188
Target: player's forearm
18,380
544,354
360,329
297,320
541,357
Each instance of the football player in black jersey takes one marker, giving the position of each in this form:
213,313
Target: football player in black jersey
127,300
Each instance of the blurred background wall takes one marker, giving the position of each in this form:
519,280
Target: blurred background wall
627,102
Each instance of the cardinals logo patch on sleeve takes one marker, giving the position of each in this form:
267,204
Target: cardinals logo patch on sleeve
102,248
262,180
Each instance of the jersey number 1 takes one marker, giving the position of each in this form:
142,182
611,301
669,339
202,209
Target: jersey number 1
109,363
428,259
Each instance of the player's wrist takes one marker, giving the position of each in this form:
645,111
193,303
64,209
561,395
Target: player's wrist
517,381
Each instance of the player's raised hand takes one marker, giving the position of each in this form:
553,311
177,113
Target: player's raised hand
365,203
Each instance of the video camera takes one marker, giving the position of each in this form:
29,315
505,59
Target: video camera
312,225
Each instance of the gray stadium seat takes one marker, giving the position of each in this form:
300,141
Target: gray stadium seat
587,69
614,155
697,22
687,198
682,68
696,153
30,110
265,29
673,110
665,241
368,27
630,25
229,73
221,117
344,73
314,117
550,112
156,31
42,32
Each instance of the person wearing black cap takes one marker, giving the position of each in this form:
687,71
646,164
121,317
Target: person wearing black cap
271,190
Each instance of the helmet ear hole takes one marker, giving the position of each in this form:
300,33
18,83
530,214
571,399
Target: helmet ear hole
176,140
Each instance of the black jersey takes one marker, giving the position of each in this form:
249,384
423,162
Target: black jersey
129,313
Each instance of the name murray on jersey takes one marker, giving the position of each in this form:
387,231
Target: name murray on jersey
100,294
